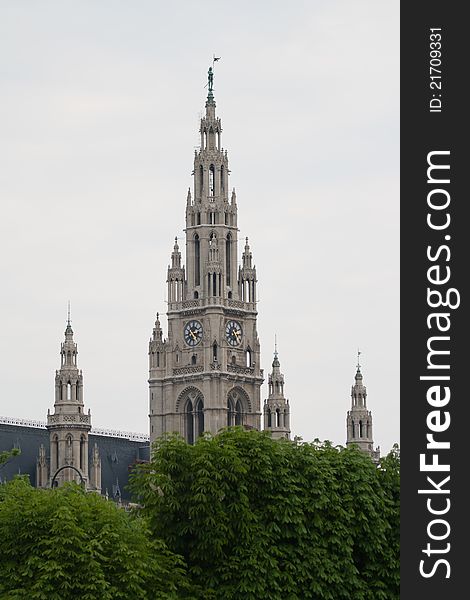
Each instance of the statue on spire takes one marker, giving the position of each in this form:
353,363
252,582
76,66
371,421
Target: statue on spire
210,79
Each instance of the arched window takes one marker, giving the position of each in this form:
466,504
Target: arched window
237,405
201,179
214,284
158,359
269,418
278,417
228,256
197,260
77,391
238,413
55,452
193,359
248,357
69,391
199,418
82,452
222,174
212,181
193,410
196,295
189,422
198,218
60,390
360,429
214,351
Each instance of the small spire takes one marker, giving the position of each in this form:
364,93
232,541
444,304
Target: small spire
358,363
275,346
68,329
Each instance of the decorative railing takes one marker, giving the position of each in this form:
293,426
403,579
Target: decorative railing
191,303
138,437
22,422
212,301
188,370
242,370
64,418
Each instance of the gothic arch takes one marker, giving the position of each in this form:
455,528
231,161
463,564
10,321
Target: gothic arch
191,401
238,394
192,393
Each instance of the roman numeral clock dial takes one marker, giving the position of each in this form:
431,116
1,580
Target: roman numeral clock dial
233,333
193,333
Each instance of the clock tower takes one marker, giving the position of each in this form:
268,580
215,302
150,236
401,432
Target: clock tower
205,375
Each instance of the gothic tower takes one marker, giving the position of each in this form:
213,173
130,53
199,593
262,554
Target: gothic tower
359,419
206,374
276,407
69,425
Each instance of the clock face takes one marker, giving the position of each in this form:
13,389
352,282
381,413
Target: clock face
193,333
233,333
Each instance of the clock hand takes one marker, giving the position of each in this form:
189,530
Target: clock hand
191,332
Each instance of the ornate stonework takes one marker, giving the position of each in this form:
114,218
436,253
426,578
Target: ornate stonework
212,344
69,427
359,419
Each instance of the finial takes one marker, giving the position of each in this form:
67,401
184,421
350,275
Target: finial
275,346
68,314
358,363
210,85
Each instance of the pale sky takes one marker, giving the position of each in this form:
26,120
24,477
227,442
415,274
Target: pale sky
100,106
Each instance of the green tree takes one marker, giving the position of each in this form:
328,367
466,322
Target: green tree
5,455
261,519
65,543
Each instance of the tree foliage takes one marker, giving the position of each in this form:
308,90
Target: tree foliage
6,455
65,543
261,519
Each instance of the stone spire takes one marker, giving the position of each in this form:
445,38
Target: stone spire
276,407
359,419
69,425
247,276
206,374
176,277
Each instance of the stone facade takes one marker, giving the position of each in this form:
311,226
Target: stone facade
276,407
68,428
359,419
206,374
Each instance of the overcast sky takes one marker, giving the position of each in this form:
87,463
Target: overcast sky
100,106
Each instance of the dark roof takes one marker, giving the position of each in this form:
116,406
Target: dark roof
117,456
